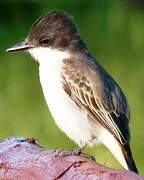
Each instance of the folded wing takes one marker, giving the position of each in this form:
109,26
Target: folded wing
92,89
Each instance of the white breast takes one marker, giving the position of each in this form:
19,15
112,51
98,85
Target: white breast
67,115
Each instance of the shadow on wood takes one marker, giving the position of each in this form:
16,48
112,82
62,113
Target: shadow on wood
23,159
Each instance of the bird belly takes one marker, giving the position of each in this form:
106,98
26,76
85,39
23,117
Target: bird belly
68,116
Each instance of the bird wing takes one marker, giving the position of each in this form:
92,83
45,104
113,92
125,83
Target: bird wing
93,90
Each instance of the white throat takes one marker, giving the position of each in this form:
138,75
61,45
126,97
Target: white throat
50,68
46,55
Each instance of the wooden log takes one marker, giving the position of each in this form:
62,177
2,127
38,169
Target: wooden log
23,159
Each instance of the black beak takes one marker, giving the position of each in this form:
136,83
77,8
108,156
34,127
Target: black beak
20,47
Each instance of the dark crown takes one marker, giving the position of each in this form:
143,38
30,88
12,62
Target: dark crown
55,30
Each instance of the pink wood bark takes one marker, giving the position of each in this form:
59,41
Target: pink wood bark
23,159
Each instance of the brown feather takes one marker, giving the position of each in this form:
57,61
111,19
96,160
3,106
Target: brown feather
96,92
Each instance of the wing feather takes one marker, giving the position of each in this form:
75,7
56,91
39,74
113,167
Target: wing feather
104,104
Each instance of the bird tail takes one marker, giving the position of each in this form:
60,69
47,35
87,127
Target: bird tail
121,152
128,158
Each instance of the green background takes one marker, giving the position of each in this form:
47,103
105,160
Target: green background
113,32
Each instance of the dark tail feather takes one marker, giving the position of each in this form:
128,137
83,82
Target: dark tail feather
129,159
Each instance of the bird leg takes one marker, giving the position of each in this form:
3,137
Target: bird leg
73,152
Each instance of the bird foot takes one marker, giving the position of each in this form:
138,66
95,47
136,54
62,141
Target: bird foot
69,152
73,152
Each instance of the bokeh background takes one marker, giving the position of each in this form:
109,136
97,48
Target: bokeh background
114,33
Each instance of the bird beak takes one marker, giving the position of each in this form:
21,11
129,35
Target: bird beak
20,47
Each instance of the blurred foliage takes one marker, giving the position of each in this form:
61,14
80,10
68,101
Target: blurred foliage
113,31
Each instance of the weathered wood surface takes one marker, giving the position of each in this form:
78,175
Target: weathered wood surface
23,159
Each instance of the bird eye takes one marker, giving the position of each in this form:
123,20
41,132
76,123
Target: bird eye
44,42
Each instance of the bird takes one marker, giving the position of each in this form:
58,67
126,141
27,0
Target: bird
86,103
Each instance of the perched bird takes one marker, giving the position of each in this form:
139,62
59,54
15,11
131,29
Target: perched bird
85,101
